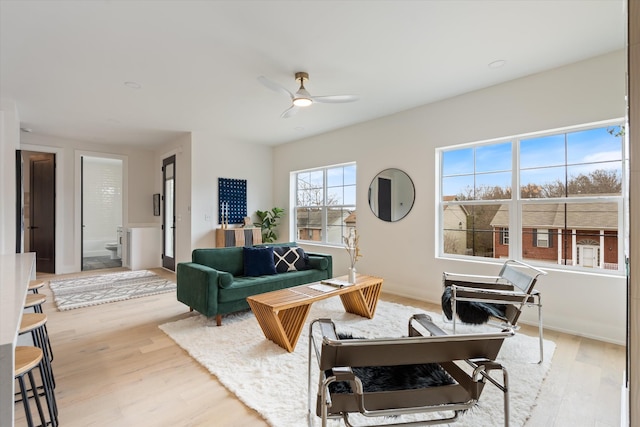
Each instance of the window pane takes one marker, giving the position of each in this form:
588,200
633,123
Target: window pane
599,178
335,177
470,229
459,186
457,162
312,197
543,151
350,175
580,234
493,186
309,224
350,195
496,157
593,145
334,196
542,183
337,224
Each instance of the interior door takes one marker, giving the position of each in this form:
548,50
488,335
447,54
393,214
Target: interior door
169,209
42,211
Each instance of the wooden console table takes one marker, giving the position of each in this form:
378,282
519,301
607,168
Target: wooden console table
238,237
281,314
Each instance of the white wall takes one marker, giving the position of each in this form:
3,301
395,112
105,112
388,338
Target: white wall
584,304
9,143
212,159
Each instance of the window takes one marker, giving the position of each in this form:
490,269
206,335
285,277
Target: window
570,187
505,236
325,203
541,238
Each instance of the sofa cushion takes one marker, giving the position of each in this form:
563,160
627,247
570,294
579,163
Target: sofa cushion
225,279
244,287
290,259
318,262
222,259
258,261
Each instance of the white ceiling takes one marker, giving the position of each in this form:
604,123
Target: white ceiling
65,62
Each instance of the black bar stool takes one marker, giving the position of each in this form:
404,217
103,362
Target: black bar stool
34,285
35,301
26,359
35,323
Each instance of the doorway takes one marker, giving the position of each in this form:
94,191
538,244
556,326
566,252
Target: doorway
101,190
169,209
36,176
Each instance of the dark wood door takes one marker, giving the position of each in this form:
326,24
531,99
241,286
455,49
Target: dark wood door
42,231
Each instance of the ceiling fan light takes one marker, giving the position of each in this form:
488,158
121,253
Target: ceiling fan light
302,98
302,102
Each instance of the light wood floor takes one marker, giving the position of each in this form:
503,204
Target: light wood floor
115,367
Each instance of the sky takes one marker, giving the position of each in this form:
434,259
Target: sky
542,159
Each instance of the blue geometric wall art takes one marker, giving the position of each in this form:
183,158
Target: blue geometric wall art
232,197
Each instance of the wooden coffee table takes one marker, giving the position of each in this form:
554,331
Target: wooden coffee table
281,314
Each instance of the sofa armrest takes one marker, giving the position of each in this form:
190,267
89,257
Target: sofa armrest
197,287
321,261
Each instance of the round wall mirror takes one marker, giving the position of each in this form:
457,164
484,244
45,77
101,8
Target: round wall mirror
391,195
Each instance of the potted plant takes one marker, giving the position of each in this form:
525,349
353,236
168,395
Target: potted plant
268,221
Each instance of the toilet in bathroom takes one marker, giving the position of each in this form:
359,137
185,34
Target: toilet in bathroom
112,247
115,248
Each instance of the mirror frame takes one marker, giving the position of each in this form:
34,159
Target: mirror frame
393,174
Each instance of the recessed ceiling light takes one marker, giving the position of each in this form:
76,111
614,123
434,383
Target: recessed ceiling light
133,85
298,128
497,64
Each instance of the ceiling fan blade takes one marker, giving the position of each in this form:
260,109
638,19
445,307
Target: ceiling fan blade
289,112
335,99
274,86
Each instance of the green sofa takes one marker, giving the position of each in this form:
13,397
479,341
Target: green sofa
214,283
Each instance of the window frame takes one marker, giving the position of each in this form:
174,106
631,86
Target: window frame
516,202
324,207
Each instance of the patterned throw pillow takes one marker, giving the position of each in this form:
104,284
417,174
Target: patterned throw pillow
290,258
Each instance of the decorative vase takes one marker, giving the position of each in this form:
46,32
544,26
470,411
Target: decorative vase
352,275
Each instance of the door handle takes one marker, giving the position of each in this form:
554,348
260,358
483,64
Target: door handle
33,227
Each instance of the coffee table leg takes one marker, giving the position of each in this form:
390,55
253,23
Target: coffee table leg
362,301
283,327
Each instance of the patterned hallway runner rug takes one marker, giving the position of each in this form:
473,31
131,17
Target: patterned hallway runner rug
94,290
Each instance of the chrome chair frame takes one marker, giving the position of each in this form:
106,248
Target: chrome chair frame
335,357
514,286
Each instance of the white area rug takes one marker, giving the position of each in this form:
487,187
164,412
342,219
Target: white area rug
274,382
104,288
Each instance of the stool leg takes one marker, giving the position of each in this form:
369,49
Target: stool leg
36,397
49,395
25,399
40,339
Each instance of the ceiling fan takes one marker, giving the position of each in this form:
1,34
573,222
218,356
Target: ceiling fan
302,98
